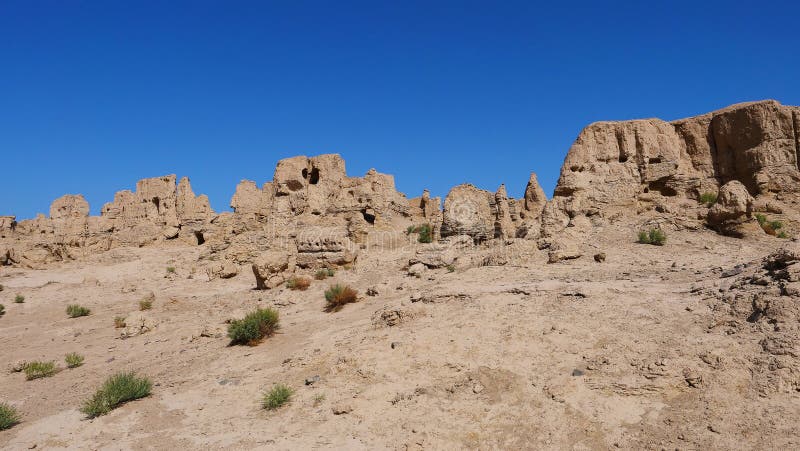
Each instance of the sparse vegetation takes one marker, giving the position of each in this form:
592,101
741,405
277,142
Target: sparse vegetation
254,327
654,236
117,389
119,322
451,268
318,398
2,309
170,270
8,416
425,232
75,311
339,295
298,283
278,396
73,360
708,199
145,304
771,227
19,299
323,274
37,370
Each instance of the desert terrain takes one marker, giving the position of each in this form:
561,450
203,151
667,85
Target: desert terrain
528,323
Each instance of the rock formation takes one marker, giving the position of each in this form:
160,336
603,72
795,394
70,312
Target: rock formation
635,172
628,167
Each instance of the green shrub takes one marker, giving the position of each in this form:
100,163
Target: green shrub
339,295
116,390
783,234
145,304
170,270
451,268
36,370
298,283
278,396
425,232
769,227
19,299
708,199
323,274
8,416
654,236
73,360
254,327
119,322
75,311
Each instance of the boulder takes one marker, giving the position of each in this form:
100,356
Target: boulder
732,211
273,268
221,270
467,211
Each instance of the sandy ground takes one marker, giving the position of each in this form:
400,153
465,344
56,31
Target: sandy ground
574,355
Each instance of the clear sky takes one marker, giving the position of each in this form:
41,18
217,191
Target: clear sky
95,95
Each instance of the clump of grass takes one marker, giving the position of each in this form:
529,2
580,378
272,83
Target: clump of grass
119,322
278,396
451,268
73,360
708,199
170,270
654,236
116,390
770,227
19,299
37,370
2,309
145,304
8,416
75,311
339,295
318,398
323,274
425,232
253,327
298,283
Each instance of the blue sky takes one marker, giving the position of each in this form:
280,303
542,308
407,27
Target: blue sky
95,95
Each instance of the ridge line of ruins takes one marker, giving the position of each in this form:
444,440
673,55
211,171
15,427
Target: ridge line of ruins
635,172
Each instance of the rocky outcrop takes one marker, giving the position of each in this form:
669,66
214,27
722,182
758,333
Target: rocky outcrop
272,268
159,209
732,211
632,171
624,168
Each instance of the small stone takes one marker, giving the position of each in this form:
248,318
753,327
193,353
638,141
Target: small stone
600,257
342,409
372,291
577,372
395,344
312,380
477,388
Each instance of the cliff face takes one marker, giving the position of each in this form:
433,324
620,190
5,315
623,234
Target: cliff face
627,167
635,171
